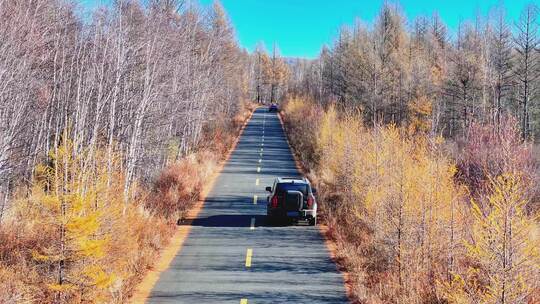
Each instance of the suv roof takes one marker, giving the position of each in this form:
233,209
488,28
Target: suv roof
293,180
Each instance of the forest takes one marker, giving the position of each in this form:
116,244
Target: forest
423,144
397,70
109,126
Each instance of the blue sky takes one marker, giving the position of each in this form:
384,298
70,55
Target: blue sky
301,27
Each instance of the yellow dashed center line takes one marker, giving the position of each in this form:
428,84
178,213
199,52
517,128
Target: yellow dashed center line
249,253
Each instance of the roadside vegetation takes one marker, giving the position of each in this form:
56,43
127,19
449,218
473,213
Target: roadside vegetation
411,224
110,126
422,146
71,236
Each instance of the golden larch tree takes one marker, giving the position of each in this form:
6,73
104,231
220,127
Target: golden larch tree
65,196
504,253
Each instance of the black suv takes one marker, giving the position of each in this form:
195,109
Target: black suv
273,107
292,198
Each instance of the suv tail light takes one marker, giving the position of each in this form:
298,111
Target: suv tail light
310,201
274,201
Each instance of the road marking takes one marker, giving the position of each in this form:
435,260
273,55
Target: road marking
262,144
263,138
258,169
254,200
243,301
252,225
249,253
260,154
257,182
261,149
260,160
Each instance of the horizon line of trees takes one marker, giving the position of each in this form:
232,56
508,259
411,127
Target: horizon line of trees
395,71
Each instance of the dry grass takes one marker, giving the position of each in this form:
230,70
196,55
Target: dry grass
180,184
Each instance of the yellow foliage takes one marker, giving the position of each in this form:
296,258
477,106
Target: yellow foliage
77,201
43,257
401,187
66,195
504,253
62,287
420,110
100,278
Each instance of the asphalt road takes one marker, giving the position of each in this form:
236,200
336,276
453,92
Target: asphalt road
231,255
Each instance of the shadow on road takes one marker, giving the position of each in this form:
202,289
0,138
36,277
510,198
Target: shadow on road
233,220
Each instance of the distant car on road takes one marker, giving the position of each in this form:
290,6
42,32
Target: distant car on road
273,107
292,198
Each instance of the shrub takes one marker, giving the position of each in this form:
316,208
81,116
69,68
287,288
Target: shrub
487,152
180,184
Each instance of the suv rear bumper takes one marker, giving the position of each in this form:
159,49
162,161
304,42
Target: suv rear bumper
302,214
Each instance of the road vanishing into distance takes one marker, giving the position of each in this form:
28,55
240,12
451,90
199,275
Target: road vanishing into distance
231,255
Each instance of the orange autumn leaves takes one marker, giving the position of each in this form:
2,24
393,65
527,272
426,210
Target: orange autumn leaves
72,235
72,203
503,250
402,187
81,241
407,229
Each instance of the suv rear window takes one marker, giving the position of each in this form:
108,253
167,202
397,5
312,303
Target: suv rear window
283,187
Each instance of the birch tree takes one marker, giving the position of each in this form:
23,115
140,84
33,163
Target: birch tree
527,63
